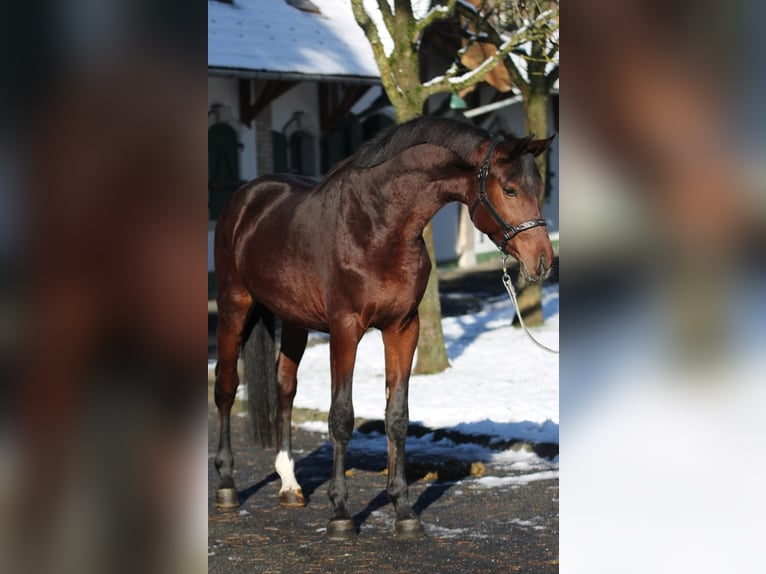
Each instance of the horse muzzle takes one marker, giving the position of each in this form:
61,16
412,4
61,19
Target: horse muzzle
538,269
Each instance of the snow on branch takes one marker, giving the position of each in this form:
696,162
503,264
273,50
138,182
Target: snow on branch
388,16
451,82
371,31
434,14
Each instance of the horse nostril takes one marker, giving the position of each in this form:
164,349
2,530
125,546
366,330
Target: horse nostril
542,266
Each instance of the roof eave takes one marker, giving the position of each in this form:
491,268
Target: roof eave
224,72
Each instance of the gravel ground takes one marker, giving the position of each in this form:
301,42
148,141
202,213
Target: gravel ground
469,528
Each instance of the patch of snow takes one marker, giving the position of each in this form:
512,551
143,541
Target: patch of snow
313,426
452,533
520,461
500,481
441,532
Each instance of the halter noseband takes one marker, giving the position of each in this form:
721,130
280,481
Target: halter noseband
509,231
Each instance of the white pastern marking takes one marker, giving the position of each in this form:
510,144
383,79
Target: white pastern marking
284,466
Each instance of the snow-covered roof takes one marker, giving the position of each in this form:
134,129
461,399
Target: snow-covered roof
271,36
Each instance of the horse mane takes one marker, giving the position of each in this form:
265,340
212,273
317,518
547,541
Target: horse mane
457,136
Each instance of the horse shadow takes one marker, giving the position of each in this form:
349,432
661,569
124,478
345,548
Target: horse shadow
315,470
368,452
375,460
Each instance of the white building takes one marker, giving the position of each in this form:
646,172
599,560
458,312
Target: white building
293,89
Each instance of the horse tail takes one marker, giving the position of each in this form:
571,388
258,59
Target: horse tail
259,355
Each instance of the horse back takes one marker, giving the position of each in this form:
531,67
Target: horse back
257,197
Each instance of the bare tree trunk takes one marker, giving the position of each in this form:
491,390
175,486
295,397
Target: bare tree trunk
432,352
536,116
536,113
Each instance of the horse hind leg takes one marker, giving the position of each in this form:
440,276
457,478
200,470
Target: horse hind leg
293,343
232,313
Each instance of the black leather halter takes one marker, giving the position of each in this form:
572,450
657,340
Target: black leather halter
509,231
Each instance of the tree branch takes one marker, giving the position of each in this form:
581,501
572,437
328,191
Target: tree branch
517,77
488,34
387,77
388,16
450,82
553,51
551,78
403,7
434,14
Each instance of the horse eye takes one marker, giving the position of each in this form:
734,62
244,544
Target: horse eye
509,192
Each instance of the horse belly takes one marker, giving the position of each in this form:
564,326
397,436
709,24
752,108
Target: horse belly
391,304
292,299
308,316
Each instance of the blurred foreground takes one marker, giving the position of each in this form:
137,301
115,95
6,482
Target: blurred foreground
103,262
663,287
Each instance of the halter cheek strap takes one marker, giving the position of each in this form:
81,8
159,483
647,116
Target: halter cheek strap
509,231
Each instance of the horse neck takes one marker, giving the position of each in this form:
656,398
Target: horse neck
428,177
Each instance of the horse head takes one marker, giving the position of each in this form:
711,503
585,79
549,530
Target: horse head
506,204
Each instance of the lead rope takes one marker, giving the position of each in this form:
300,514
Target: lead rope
512,294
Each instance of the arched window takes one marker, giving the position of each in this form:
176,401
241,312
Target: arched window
301,145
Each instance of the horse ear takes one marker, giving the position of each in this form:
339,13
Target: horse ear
536,147
520,146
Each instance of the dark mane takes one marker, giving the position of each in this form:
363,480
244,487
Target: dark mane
460,137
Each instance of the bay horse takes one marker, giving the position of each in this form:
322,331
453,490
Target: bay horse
347,255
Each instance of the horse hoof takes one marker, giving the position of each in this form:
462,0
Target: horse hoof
409,529
226,499
292,498
342,529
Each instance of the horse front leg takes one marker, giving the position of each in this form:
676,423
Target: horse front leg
291,349
400,341
344,339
